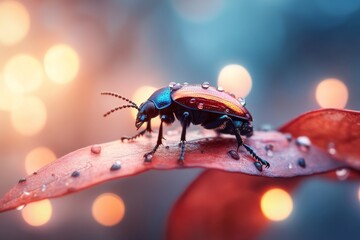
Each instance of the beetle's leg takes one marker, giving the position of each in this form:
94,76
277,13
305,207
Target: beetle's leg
241,143
185,123
149,155
147,129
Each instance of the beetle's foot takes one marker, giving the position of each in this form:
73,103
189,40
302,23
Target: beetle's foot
181,161
148,156
264,162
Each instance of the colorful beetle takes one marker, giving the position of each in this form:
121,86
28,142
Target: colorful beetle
197,104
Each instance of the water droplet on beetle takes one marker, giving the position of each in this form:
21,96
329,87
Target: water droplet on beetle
301,162
116,166
200,106
205,85
342,174
242,101
331,148
234,154
220,89
227,110
177,86
95,149
172,84
304,143
21,180
21,207
192,101
75,174
43,188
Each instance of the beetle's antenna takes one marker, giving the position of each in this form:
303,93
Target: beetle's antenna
121,97
118,108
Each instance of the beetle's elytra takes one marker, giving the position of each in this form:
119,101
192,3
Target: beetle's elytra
212,108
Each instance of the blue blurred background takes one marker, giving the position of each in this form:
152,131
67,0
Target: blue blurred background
287,47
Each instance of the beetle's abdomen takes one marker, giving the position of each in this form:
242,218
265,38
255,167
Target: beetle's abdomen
210,99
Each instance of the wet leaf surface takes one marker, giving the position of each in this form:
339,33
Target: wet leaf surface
221,205
102,162
336,131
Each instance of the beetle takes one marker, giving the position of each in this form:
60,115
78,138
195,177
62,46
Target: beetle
204,105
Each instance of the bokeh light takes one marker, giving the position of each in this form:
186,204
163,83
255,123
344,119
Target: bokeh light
37,158
276,204
61,63
38,213
140,96
198,10
235,79
23,73
331,93
8,99
29,117
108,209
14,22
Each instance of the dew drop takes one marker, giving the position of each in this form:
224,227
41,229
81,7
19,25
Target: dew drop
200,106
258,166
342,174
242,101
227,110
22,180
75,174
220,89
26,193
148,157
205,85
96,149
288,137
301,162
116,166
172,84
167,147
21,207
185,83
290,166
192,101
177,86
269,150
234,154
303,143
43,188
331,148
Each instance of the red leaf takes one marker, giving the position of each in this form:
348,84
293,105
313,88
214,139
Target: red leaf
220,205
339,129
85,168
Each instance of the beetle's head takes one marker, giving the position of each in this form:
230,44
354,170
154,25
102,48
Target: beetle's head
147,110
247,129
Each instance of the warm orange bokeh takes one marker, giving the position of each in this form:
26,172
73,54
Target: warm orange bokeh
23,73
331,93
140,96
38,213
235,79
276,204
14,22
29,117
61,63
108,209
37,158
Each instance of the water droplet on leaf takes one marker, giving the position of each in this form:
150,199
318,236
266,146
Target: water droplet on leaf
342,174
21,180
303,143
96,149
75,174
116,166
331,148
301,162
148,157
258,166
234,154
